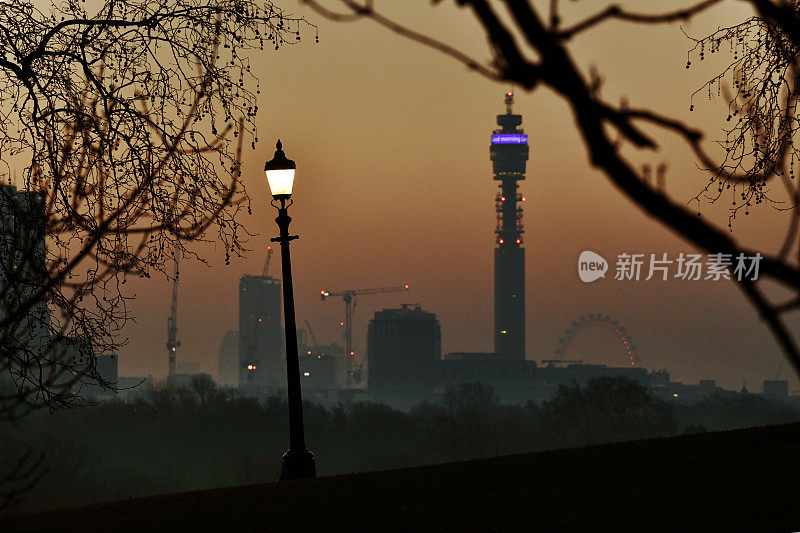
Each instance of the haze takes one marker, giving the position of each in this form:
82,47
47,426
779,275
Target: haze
394,185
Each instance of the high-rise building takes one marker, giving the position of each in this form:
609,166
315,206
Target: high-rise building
107,367
228,369
403,346
23,270
261,359
509,154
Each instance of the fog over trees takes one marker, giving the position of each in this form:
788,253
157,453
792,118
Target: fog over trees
205,436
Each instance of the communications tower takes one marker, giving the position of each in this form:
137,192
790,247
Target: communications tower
509,153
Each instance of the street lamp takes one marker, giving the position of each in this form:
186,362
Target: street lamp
298,461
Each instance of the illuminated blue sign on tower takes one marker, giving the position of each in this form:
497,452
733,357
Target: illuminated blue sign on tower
509,138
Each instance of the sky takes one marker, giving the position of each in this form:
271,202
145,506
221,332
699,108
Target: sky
394,186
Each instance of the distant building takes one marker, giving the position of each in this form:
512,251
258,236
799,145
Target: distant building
228,367
322,372
107,367
184,380
78,359
131,388
403,348
776,389
261,354
23,269
520,381
512,380
405,367
685,392
73,357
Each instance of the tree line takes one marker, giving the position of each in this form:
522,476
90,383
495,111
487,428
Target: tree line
203,436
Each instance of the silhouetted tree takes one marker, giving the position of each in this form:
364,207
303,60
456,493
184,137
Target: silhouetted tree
532,46
20,477
206,390
724,410
124,125
606,409
462,425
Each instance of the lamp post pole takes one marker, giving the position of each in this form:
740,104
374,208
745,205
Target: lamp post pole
298,461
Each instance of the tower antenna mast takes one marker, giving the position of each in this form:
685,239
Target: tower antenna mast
509,155
172,322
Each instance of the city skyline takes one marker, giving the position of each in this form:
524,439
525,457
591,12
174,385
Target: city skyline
397,154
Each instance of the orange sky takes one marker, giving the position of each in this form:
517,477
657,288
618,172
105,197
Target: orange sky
394,186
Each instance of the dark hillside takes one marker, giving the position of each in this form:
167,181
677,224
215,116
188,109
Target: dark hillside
735,480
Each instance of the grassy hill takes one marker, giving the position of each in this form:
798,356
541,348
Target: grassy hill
746,480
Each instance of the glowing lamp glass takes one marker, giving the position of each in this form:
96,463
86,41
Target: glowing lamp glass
280,173
280,181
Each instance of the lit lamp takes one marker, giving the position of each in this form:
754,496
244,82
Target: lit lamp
280,174
298,461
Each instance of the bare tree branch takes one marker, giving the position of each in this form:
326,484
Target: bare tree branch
615,12
767,84
128,124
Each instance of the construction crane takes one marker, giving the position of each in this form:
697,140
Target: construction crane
350,297
172,322
313,338
265,270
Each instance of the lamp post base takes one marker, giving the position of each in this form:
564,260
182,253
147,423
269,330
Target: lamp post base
297,465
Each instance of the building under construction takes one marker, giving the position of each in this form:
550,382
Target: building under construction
262,365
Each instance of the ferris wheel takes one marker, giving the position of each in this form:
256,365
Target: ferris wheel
598,320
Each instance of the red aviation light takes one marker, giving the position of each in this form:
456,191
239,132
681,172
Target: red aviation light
352,353
406,285
524,199
502,241
519,241
502,198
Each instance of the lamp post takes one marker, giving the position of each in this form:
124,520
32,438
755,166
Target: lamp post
298,461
